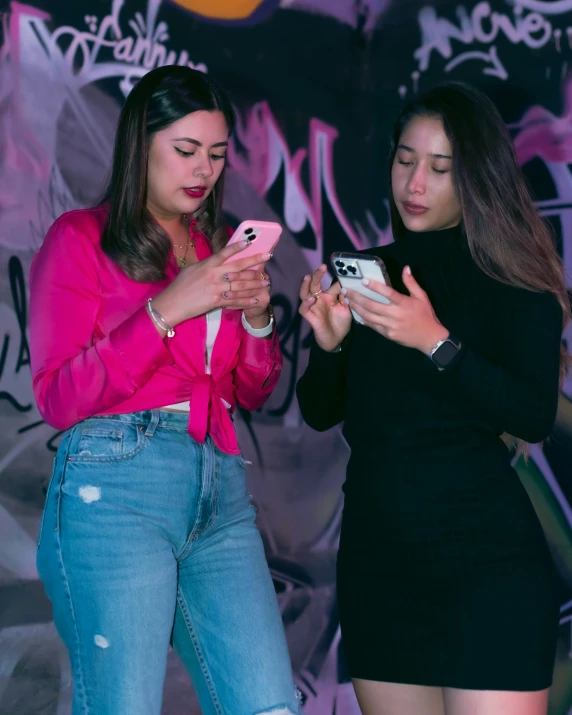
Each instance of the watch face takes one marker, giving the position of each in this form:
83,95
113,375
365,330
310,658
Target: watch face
445,354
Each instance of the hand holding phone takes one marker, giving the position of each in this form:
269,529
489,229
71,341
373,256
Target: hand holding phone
263,237
325,310
352,268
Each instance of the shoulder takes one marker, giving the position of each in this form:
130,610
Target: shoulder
521,305
73,239
88,223
533,303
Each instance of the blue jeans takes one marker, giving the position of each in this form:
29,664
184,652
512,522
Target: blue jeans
148,538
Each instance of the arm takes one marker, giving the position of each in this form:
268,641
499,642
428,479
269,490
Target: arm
518,391
74,376
258,369
321,390
511,380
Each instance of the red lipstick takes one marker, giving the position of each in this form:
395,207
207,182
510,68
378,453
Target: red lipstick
196,192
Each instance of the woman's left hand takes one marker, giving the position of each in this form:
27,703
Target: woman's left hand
408,320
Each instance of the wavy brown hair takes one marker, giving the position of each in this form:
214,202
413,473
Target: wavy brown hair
131,237
507,237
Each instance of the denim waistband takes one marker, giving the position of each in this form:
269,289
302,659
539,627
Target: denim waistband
157,418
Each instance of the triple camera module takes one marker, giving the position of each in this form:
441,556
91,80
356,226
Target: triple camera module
347,268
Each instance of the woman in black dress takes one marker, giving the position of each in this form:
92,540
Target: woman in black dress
447,593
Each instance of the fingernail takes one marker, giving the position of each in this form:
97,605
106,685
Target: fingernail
226,276
244,244
365,281
346,301
344,291
271,254
265,282
311,299
225,294
306,278
408,270
253,301
266,256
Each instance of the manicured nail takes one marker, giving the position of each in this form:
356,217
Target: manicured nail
344,291
311,299
365,281
226,277
408,270
244,244
271,254
266,256
225,294
346,301
265,282
306,278
253,301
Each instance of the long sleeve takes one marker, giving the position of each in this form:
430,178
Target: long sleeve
74,375
517,392
321,390
258,369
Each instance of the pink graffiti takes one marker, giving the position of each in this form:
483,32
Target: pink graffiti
261,152
544,135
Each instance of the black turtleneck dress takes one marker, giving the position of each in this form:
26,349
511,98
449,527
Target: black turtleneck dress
444,573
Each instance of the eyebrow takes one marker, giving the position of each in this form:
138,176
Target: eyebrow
198,143
436,156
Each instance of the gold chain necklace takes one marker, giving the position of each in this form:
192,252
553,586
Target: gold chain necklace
182,262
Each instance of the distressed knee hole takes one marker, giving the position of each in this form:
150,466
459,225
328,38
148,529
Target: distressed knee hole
283,709
89,494
101,642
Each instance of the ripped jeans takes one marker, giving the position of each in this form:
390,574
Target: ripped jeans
147,539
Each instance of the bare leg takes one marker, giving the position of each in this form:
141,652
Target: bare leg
376,698
494,702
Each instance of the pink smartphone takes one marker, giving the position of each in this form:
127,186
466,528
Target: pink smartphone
262,235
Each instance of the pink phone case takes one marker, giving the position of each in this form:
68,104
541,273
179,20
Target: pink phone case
263,237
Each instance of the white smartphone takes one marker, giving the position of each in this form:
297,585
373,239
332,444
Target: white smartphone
351,268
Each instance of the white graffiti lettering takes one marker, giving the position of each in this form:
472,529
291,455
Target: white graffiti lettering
558,7
495,70
107,51
482,26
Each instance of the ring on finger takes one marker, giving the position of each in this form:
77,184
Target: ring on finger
318,294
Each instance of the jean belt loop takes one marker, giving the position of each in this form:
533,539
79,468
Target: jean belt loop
153,422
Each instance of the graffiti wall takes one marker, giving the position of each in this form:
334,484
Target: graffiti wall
316,84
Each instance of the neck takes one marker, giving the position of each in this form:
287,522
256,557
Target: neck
175,226
420,246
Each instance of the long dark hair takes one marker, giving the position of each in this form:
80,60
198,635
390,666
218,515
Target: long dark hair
132,238
507,237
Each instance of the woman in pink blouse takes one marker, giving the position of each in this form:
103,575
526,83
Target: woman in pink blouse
142,344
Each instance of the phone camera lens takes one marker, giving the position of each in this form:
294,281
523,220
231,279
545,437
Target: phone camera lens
340,264
343,272
352,270
248,230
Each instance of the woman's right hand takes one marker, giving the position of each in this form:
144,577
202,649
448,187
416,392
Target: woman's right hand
329,316
208,284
